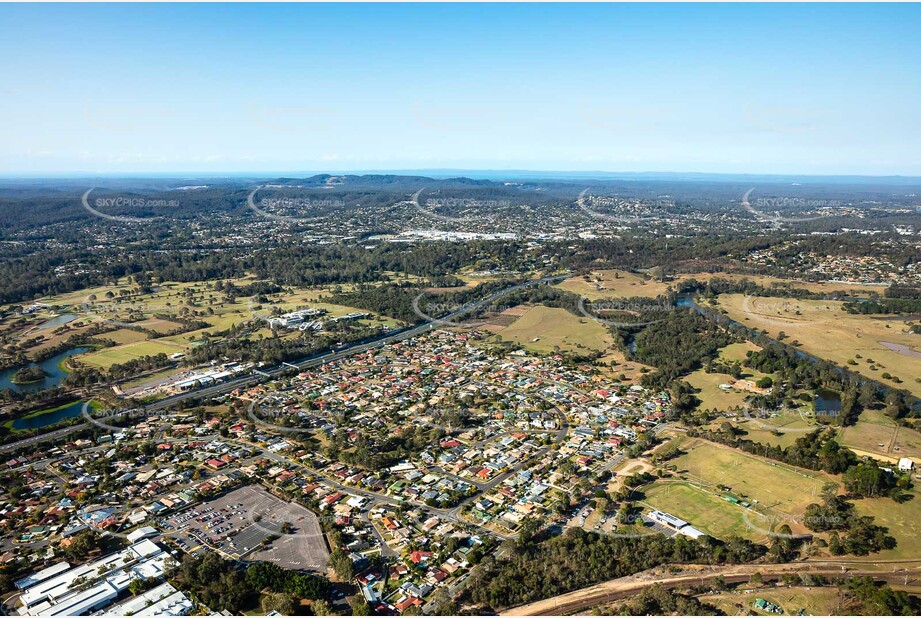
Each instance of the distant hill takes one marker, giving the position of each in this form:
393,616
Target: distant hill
383,182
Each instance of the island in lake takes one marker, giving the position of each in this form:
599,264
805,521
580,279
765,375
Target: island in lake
29,375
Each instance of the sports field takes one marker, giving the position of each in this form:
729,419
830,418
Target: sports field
702,509
768,484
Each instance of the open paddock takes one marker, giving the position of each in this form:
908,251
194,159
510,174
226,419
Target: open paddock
106,357
824,330
876,434
547,329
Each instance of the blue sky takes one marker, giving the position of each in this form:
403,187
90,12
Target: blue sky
812,89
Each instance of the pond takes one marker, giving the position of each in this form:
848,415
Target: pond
61,320
54,373
37,420
827,402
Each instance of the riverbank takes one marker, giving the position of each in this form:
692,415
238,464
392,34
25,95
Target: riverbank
40,419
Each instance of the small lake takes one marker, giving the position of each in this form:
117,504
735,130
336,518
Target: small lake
61,320
904,350
827,402
51,366
55,415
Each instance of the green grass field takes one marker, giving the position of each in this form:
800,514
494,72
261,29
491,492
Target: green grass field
813,601
158,325
790,424
195,300
702,509
711,396
613,284
125,335
823,329
107,357
903,521
777,494
738,351
545,329
770,485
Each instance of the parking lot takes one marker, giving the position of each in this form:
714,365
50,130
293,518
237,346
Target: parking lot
249,523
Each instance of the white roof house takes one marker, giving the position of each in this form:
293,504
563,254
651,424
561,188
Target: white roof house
141,533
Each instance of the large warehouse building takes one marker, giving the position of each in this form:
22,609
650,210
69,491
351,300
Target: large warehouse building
77,591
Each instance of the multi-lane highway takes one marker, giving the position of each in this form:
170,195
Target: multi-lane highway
306,363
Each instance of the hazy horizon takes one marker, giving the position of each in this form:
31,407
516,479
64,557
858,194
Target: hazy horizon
474,174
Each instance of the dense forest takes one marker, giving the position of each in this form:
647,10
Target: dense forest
539,569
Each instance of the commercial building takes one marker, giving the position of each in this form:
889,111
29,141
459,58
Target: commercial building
164,600
676,523
83,589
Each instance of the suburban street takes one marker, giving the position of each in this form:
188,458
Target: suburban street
307,363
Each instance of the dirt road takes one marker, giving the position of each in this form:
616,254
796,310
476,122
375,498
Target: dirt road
894,572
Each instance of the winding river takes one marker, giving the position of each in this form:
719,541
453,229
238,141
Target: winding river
52,367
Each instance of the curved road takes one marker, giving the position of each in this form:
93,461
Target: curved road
309,362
